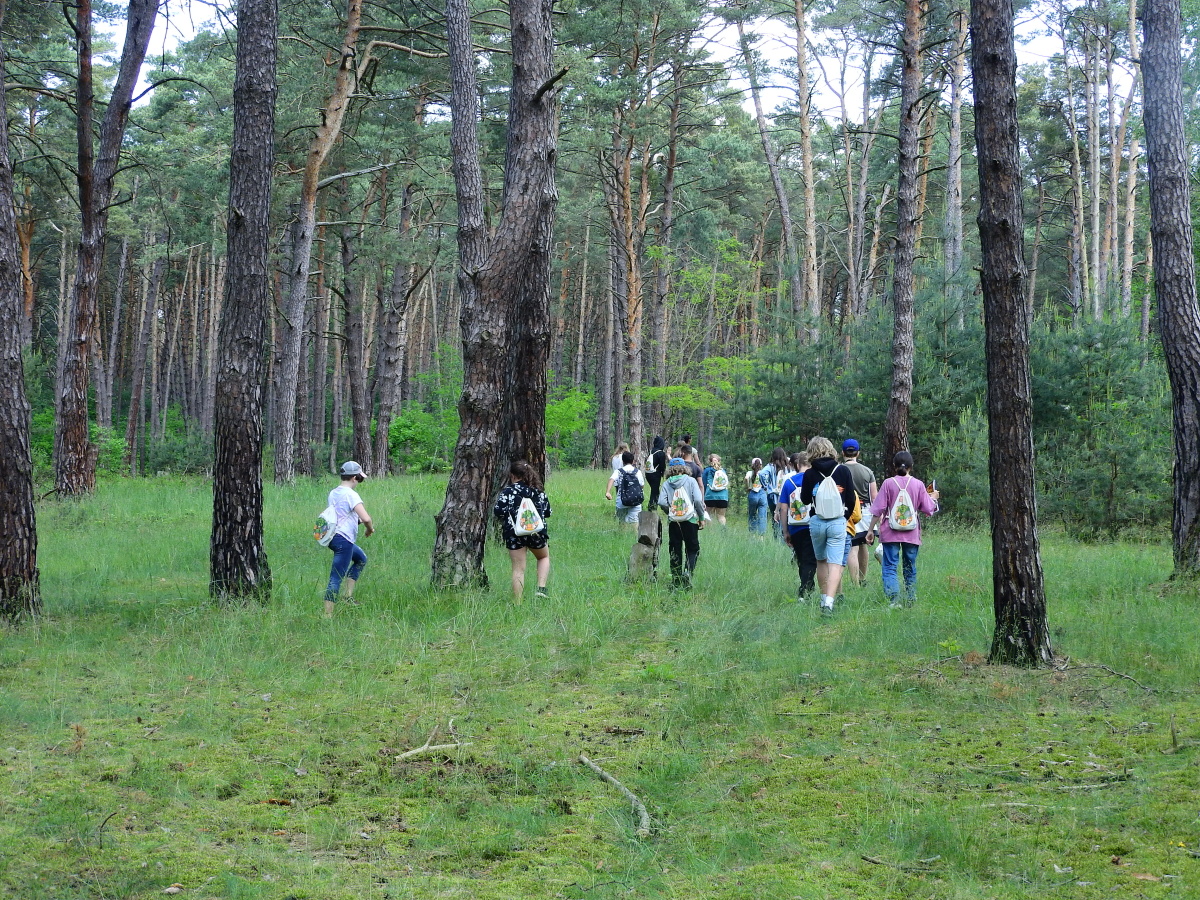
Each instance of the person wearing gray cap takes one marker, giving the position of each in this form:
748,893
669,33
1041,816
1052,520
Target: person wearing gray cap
348,557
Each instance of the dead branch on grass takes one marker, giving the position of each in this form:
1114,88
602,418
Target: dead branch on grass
639,808
429,747
876,861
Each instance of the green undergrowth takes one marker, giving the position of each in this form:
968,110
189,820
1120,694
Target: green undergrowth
149,738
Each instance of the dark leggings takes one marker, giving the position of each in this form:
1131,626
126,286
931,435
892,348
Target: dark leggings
681,535
806,560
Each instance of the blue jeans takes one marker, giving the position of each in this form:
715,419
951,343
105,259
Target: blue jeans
348,562
828,538
892,552
756,506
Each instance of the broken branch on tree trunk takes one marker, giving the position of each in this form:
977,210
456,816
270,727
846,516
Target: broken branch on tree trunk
639,808
550,83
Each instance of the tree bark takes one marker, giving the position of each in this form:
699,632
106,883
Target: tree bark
137,375
237,557
75,457
1174,263
1021,636
20,596
393,338
954,195
292,320
895,429
792,255
812,286
495,269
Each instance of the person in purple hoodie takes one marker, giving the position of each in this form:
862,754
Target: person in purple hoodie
900,528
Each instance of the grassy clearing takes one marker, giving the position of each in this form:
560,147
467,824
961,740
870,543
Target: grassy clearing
148,738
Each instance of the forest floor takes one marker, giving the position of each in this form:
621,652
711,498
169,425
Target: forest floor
152,743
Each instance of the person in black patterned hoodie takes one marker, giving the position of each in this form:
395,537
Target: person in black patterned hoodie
524,483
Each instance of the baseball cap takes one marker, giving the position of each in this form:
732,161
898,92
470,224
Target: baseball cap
350,467
677,461
849,444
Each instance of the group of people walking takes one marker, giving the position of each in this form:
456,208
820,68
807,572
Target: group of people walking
827,510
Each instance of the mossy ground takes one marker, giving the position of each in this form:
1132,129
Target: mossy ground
149,738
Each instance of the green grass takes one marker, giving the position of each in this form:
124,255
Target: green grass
149,738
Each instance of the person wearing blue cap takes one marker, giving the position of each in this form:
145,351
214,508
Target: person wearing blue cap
864,534
348,557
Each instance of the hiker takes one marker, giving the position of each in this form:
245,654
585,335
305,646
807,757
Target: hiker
864,534
830,489
896,506
630,485
656,465
794,516
523,525
688,454
682,501
348,557
772,476
716,488
616,460
756,498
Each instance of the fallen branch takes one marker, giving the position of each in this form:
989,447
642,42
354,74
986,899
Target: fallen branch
1115,673
429,747
639,808
876,861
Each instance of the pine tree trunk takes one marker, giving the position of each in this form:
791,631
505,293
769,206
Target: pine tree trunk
392,339
75,456
1021,636
142,343
954,194
237,557
1174,262
895,433
791,255
494,272
356,355
20,595
812,285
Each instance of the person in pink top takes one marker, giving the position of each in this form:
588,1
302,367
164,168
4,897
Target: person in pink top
900,527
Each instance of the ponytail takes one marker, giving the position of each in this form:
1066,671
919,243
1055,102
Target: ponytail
523,471
902,462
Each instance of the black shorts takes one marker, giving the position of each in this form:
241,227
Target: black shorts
527,541
858,540
717,504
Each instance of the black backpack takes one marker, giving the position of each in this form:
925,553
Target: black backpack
629,491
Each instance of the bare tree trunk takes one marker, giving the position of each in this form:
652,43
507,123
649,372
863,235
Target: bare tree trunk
584,308
20,595
356,356
75,457
237,557
1021,636
498,271
792,256
142,342
895,428
812,286
1174,262
392,339
1131,178
292,320
954,195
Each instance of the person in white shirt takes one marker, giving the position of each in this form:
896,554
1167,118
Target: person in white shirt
631,478
348,557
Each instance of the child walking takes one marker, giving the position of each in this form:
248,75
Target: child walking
524,484
685,518
895,508
348,557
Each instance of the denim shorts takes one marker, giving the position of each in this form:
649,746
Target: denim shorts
828,538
